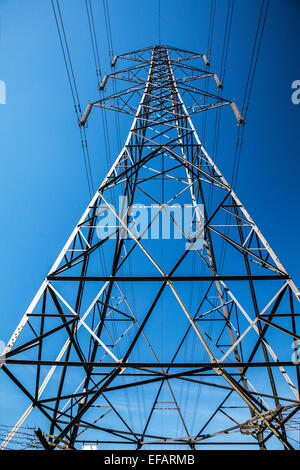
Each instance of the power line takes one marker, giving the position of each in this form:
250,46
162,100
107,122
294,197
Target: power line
230,9
96,55
65,60
222,77
93,37
108,29
250,79
74,89
246,101
111,56
209,53
159,22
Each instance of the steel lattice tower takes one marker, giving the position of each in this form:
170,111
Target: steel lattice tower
127,334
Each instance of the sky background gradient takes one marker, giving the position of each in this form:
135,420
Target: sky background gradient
43,189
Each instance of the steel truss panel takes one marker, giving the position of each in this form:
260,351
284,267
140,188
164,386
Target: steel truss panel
89,340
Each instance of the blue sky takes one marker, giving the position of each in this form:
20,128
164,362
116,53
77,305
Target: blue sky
43,184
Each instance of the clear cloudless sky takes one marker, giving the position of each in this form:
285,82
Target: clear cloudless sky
43,187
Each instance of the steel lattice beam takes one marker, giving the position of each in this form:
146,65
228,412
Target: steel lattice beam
86,329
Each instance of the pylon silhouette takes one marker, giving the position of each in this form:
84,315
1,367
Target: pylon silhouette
142,317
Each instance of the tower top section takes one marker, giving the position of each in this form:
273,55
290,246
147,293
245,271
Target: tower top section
185,69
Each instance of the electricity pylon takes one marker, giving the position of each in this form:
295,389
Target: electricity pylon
149,331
